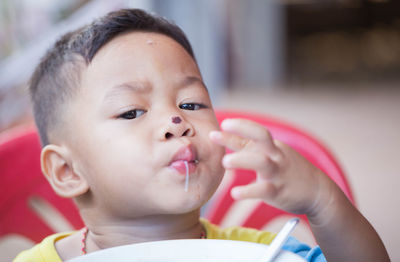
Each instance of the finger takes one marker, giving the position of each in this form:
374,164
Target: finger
250,130
262,190
229,140
265,167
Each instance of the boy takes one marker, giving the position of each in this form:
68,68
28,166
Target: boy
123,114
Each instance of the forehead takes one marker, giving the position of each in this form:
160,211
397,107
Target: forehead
139,56
141,49
139,41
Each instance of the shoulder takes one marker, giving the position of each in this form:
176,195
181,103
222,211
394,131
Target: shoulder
44,251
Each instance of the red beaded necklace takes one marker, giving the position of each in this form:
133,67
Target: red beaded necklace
86,230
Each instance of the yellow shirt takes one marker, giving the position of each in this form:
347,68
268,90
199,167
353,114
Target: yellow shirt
46,250
237,233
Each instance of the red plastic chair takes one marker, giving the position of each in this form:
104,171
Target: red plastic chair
21,180
306,145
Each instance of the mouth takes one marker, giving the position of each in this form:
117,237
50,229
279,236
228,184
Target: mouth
186,154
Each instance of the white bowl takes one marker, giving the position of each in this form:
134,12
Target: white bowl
194,250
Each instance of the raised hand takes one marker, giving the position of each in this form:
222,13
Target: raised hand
288,181
284,178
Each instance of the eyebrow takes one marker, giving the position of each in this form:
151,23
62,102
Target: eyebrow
135,86
145,87
189,80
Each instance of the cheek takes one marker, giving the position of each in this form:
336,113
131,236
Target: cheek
108,160
213,159
217,152
212,152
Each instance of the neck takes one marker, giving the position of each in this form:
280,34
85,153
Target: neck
143,229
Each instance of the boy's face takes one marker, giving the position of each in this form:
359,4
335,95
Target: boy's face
127,140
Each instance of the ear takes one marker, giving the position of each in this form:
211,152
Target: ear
58,169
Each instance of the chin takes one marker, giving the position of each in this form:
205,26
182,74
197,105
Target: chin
185,203
177,201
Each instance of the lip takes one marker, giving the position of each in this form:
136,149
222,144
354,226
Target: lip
184,154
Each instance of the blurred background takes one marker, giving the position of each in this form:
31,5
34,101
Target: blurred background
331,67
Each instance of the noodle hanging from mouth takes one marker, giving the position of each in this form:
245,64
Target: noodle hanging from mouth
187,177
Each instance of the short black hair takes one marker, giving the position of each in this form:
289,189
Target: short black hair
57,77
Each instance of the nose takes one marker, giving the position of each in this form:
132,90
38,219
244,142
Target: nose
176,126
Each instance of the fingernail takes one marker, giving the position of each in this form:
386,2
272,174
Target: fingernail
226,161
235,193
215,135
226,123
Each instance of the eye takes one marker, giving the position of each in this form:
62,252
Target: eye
132,114
192,106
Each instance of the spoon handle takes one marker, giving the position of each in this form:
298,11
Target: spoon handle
279,240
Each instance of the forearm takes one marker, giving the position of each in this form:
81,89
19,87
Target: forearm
343,233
